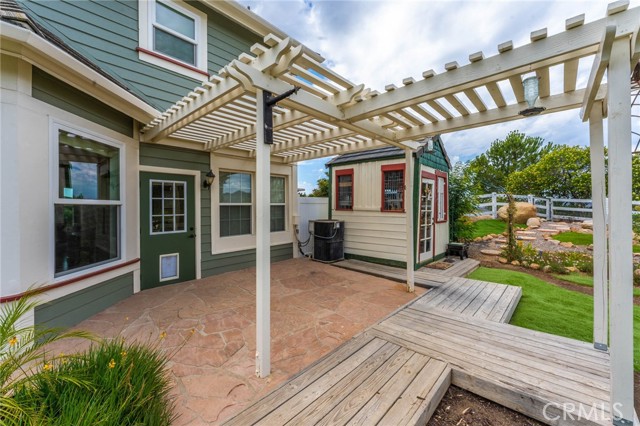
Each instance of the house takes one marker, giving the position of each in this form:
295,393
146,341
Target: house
89,211
368,192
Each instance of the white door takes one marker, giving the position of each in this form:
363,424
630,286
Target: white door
425,221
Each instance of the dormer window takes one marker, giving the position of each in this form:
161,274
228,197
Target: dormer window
173,35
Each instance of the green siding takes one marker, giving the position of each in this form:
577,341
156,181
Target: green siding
165,156
435,159
106,32
49,89
75,307
388,262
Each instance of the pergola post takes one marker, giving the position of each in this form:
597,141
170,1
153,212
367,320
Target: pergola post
408,208
598,196
620,239
263,246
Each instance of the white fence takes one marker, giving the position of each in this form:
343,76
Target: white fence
310,208
548,208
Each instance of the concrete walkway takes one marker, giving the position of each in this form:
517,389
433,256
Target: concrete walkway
315,308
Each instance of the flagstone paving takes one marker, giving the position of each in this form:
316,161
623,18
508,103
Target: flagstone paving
210,329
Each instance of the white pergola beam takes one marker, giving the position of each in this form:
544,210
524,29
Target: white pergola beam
544,85
570,75
620,235
263,248
598,196
321,152
554,103
600,64
311,140
580,41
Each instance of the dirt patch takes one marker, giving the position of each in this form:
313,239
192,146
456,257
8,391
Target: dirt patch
440,265
462,408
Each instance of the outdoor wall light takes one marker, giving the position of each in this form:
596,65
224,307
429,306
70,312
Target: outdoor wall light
530,85
208,179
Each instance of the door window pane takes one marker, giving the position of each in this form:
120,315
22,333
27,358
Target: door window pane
168,206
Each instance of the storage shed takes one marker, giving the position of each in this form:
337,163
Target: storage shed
368,193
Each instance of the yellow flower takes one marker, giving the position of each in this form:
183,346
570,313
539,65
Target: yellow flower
112,363
123,353
13,341
47,366
163,335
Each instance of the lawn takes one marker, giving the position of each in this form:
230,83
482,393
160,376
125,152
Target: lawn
585,280
582,239
551,309
491,226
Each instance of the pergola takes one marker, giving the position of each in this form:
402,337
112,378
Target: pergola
330,115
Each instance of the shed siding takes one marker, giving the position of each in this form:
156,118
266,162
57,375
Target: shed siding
181,158
106,32
75,307
49,89
369,232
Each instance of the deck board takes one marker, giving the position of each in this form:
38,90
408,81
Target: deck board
397,371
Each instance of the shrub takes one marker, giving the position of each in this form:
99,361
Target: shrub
129,386
24,362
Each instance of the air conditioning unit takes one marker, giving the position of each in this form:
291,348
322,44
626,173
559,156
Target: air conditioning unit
328,240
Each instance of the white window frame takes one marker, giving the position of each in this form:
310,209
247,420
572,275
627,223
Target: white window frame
251,204
441,183
146,22
55,127
186,188
286,224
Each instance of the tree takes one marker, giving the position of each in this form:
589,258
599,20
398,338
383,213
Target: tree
489,171
562,173
462,202
322,189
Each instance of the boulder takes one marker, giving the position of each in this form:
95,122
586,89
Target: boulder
587,224
534,266
572,269
546,269
524,211
567,244
515,263
533,222
636,272
503,260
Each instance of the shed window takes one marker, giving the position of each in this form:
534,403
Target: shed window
344,189
442,200
393,188
87,205
278,206
235,204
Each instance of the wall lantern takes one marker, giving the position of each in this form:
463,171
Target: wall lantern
208,179
530,85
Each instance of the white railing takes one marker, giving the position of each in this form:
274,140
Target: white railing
310,208
548,208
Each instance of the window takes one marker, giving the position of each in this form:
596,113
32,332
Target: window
393,188
173,35
442,197
278,210
168,208
235,204
344,189
87,205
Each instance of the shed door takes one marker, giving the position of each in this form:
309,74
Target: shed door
167,229
425,223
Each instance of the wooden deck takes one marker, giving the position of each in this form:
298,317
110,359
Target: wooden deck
424,277
397,371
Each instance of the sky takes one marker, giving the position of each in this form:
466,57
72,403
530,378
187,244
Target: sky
381,42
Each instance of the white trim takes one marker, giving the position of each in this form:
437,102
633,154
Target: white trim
197,189
423,256
146,20
173,277
55,125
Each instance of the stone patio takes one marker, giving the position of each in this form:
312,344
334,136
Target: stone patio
315,307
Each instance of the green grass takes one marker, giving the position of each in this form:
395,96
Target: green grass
491,226
575,238
582,239
585,280
551,309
